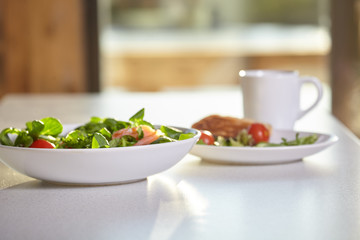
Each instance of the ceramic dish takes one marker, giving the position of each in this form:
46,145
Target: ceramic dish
265,155
97,166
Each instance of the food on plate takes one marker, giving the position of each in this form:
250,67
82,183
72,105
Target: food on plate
259,132
207,137
149,134
97,133
41,143
226,130
230,131
224,126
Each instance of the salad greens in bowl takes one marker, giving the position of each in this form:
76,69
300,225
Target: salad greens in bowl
100,152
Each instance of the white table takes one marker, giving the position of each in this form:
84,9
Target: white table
317,198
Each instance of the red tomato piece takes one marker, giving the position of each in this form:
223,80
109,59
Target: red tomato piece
41,143
259,132
207,137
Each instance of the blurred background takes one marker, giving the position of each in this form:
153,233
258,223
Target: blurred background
154,44
72,46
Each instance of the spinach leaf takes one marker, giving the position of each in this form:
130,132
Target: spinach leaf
4,136
23,139
163,139
184,136
35,127
52,126
124,141
171,132
300,140
140,132
296,142
106,133
139,116
113,125
138,119
99,141
77,139
115,142
91,127
95,120
96,124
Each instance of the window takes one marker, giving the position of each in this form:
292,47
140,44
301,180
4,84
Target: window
150,45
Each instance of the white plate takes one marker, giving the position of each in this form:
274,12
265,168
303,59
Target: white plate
100,166
265,155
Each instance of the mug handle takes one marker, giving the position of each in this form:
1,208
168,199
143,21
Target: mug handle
316,82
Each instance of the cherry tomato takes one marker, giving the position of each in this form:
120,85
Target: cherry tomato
41,143
259,132
207,137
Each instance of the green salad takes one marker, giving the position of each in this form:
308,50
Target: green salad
245,139
97,133
257,135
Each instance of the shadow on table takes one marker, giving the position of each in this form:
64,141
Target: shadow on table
38,184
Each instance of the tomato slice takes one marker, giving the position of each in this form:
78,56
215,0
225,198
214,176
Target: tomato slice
206,137
259,132
41,143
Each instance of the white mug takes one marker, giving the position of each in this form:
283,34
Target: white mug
273,96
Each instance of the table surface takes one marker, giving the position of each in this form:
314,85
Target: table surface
316,198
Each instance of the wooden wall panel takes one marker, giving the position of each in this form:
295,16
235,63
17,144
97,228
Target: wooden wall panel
345,58
44,46
15,46
1,48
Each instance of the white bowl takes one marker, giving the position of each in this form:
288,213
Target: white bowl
101,166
